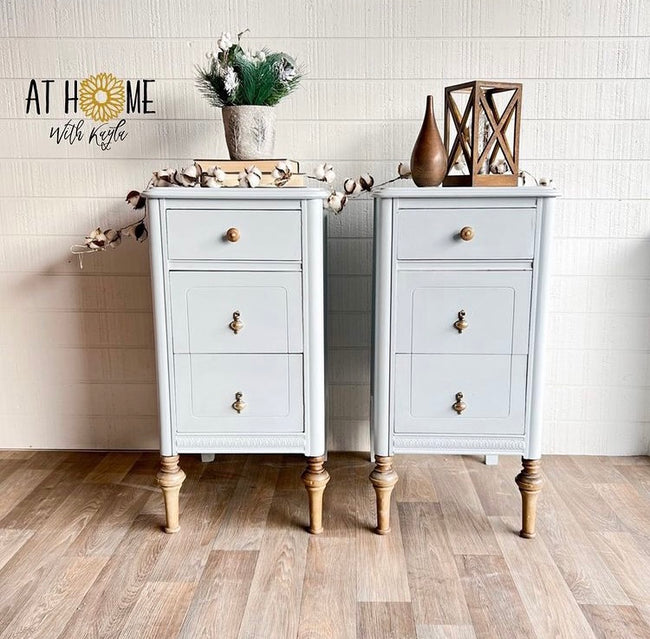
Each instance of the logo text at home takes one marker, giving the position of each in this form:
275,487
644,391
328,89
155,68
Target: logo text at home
102,98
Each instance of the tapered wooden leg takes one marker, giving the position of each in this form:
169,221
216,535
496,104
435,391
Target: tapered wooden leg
170,478
315,479
383,479
530,483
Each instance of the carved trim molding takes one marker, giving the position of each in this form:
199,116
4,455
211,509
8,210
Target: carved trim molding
201,443
477,444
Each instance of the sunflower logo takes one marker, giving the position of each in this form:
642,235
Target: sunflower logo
101,97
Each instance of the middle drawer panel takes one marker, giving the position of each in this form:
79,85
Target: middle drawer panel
268,307
494,306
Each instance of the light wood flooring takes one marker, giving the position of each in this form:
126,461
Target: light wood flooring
82,553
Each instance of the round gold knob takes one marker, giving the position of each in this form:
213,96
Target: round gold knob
467,233
239,404
236,325
460,405
461,323
233,234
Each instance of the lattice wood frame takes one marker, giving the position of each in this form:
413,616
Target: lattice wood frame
466,138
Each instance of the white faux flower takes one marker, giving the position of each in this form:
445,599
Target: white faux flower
213,179
166,177
286,70
219,174
136,199
366,181
351,186
97,240
336,201
500,167
404,170
230,80
325,173
250,178
224,41
281,173
190,176
255,56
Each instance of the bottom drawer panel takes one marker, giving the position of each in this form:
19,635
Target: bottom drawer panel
271,388
493,387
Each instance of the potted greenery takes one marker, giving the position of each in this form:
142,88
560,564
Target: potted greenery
246,85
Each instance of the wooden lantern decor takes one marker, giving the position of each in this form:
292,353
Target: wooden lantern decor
483,149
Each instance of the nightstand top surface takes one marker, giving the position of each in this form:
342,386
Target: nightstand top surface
232,193
465,191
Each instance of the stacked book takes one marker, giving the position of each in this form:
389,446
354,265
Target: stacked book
232,168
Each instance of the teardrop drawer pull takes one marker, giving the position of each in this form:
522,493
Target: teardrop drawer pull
239,404
461,324
460,405
236,325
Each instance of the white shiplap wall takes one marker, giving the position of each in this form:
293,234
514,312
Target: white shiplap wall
76,360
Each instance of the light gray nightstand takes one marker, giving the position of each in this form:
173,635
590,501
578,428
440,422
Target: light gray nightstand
460,283
238,289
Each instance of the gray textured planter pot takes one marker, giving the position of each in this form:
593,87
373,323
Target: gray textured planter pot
250,131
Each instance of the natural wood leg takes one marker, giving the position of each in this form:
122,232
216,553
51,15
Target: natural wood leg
315,479
530,483
383,479
170,478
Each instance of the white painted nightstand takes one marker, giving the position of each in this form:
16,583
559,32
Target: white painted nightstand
238,290
460,282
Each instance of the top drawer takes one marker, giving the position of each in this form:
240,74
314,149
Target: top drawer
203,234
435,234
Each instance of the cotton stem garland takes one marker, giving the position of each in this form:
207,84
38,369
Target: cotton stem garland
194,176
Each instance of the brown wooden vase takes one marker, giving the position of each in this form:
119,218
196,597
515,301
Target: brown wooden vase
429,157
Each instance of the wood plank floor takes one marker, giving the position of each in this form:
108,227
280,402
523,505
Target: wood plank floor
82,553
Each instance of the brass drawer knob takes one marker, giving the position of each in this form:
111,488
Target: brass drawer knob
233,234
460,405
461,323
236,325
239,404
467,233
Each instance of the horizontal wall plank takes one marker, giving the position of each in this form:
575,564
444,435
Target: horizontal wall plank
348,293
43,366
599,368
348,366
599,294
351,401
67,328
366,18
586,403
118,399
348,331
126,432
616,437
51,255
599,332
506,57
21,291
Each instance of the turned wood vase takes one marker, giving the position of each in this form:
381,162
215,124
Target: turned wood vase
429,157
